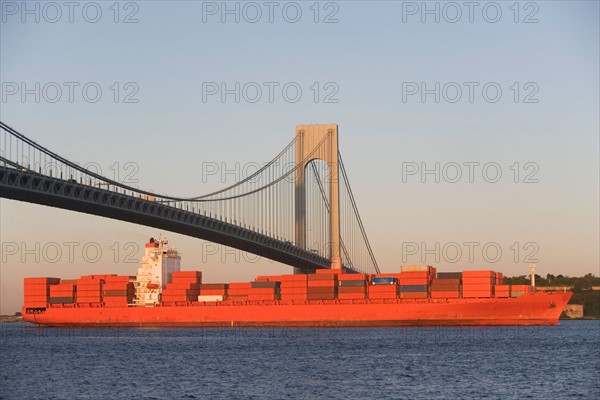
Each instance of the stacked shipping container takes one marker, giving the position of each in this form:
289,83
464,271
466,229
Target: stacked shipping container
37,291
352,286
89,289
264,291
118,291
448,288
239,291
502,291
322,285
383,288
478,283
415,281
184,287
213,291
62,293
294,287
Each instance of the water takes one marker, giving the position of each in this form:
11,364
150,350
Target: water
211,363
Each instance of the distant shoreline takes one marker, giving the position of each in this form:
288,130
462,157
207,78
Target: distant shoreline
6,319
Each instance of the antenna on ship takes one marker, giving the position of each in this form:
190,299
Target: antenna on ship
532,269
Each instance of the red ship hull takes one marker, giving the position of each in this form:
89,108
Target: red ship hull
539,308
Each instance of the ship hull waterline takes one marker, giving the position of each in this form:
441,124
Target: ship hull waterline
533,309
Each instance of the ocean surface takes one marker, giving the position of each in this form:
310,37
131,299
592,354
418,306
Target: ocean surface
555,362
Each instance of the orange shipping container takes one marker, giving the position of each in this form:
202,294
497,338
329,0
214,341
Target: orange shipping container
234,292
382,295
43,281
36,285
37,289
353,277
450,294
62,286
62,294
321,284
440,282
351,296
478,274
323,277
476,288
213,292
240,285
119,279
88,288
383,288
294,284
292,278
413,295
117,286
189,286
294,291
445,289
320,296
478,281
351,289
414,282
185,280
262,291
89,284
322,290
214,286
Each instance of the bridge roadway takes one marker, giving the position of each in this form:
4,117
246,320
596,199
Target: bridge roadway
31,187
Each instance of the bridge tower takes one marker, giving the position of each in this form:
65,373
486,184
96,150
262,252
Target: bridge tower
318,142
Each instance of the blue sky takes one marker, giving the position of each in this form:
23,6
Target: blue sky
369,55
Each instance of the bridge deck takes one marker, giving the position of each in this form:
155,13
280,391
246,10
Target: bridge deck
70,195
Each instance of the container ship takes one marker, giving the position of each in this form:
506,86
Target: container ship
161,295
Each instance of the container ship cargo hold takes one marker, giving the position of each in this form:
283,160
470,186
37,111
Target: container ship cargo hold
160,295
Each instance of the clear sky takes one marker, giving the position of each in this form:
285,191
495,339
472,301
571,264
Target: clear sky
378,67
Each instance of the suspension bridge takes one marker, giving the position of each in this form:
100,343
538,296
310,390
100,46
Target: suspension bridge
298,209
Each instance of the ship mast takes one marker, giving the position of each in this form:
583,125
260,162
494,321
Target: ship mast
532,271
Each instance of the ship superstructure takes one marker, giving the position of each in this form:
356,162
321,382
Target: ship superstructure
155,271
